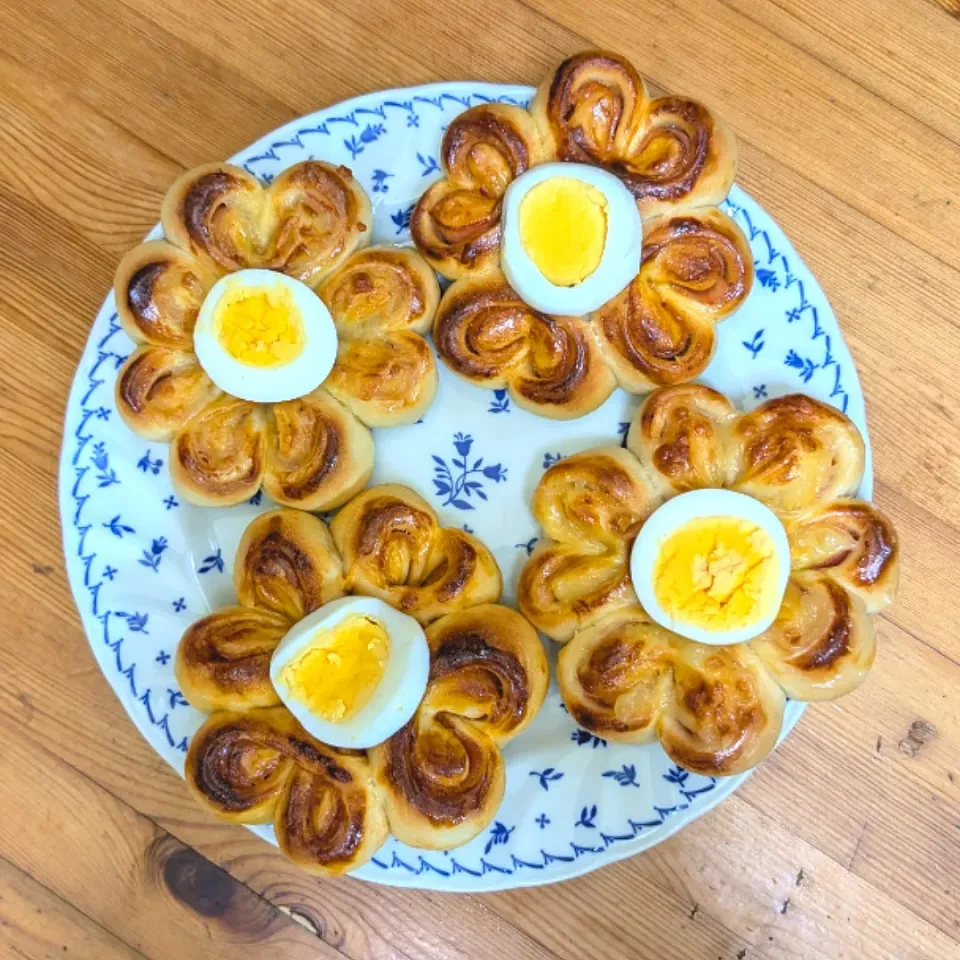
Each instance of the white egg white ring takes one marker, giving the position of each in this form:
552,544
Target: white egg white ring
397,695
619,263
285,381
691,506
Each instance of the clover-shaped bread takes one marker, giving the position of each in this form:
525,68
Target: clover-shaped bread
314,451
676,158
715,710
440,779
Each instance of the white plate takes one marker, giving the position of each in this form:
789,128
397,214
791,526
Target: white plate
142,565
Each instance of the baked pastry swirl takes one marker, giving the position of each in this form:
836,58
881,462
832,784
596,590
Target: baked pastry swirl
314,451
261,766
552,366
440,779
715,710
394,548
670,152
456,222
442,775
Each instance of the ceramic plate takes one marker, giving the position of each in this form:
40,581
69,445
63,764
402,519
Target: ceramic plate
143,564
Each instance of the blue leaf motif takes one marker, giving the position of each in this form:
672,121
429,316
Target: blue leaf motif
117,528
547,776
401,219
756,344
464,479
500,402
499,834
212,562
583,738
527,545
549,459
626,776
768,279
587,817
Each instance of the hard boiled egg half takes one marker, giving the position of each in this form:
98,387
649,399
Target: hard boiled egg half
352,672
572,238
265,337
712,565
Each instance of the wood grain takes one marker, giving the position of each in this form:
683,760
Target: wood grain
847,843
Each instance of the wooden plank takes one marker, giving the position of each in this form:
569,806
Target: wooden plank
905,53
163,898
36,924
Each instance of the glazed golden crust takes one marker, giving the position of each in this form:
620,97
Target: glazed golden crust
715,710
442,775
552,366
796,452
394,548
670,152
696,270
822,643
159,289
854,544
158,390
591,506
381,300
286,566
287,563
456,222
262,766
317,453
223,660
682,436
217,457
310,218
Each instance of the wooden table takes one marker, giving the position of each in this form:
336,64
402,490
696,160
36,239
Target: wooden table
846,844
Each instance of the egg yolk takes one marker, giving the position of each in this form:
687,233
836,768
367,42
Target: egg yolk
260,327
717,573
337,672
563,229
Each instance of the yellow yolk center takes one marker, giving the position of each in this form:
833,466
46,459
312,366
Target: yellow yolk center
563,229
260,327
717,573
338,671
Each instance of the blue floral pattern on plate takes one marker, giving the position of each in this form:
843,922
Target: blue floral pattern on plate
142,563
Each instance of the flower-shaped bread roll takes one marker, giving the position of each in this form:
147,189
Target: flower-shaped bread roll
261,766
442,775
456,222
677,160
626,678
313,451
440,779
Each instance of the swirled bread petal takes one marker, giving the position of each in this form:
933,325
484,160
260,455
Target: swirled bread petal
552,366
217,458
223,660
590,506
615,675
442,776
456,222
671,152
387,380
715,710
594,499
287,563
393,548
725,712
853,543
796,452
487,664
159,289
382,289
262,766
317,453
822,643
158,390
310,218
696,270
381,300
682,436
